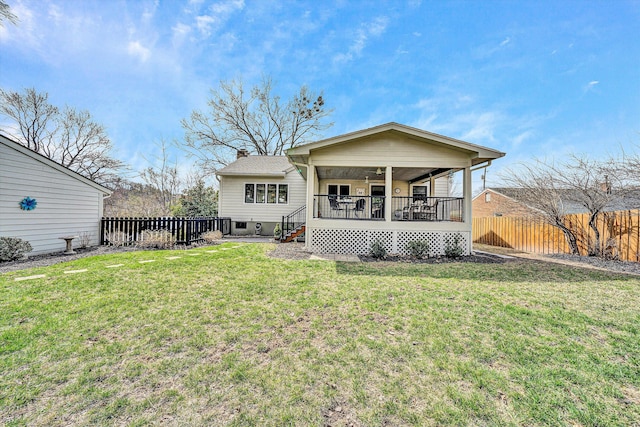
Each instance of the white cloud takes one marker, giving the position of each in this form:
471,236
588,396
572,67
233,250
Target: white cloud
591,85
505,41
218,14
374,28
136,49
204,24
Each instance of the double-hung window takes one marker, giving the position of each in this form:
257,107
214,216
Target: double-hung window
342,190
266,193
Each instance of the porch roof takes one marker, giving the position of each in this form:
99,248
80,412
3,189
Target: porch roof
478,153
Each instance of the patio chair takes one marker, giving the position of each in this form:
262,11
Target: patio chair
359,207
335,206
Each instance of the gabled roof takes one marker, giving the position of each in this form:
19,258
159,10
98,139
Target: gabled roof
268,166
630,200
479,153
47,161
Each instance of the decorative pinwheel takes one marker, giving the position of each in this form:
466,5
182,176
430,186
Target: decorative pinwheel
28,204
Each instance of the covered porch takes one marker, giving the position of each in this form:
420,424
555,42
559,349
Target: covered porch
390,184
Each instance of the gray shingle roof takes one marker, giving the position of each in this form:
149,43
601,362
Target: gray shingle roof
258,166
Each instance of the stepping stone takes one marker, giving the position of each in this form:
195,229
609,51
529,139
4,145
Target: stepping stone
114,266
212,252
146,261
320,258
225,249
194,254
76,271
174,257
235,247
37,276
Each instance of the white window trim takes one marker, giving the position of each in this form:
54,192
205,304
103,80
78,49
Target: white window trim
266,192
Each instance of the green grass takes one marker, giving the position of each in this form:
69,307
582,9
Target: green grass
236,338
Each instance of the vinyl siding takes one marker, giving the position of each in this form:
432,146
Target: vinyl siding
395,150
66,206
232,203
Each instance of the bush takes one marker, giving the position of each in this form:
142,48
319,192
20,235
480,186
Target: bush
453,247
277,232
12,248
378,250
160,239
84,239
212,236
117,238
418,248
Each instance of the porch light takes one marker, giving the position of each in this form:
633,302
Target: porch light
379,171
366,179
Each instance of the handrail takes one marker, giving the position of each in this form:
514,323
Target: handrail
293,221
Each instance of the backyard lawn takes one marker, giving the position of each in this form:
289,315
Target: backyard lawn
234,337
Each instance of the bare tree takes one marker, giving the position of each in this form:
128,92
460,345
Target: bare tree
256,121
6,14
68,137
164,178
538,189
556,190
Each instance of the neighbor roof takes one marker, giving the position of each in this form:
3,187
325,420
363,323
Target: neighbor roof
272,166
630,200
300,154
47,161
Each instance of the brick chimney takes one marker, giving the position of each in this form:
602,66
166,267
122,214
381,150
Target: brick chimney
242,153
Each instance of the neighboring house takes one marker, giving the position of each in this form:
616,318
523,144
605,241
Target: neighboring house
67,203
500,202
259,191
508,202
388,183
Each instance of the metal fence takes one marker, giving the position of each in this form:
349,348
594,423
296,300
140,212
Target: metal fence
127,231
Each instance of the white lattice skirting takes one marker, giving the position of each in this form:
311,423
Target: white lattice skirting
344,241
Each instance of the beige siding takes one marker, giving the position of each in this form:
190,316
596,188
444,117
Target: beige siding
232,203
396,151
66,206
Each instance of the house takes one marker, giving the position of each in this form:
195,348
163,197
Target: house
500,202
388,183
257,191
510,202
66,203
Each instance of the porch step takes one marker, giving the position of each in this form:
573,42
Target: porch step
289,237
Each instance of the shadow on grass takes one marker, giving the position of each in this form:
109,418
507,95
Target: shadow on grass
513,271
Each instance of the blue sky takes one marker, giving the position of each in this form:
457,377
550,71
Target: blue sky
531,78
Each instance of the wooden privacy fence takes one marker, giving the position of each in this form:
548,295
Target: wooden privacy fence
619,234
186,231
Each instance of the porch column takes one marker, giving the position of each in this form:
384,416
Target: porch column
432,187
311,185
388,190
466,193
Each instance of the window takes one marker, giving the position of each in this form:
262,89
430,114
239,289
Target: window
420,192
249,191
283,194
487,197
341,190
241,225
271,193
260,193
266,193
